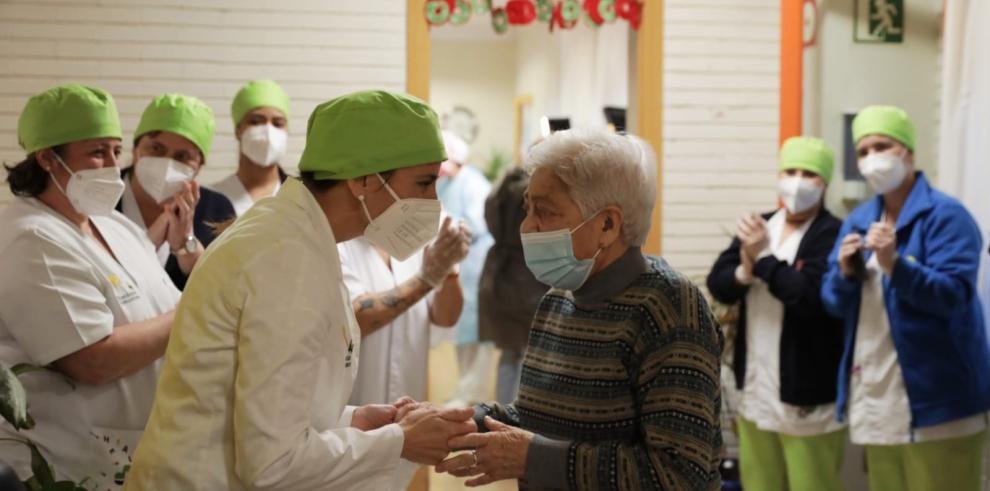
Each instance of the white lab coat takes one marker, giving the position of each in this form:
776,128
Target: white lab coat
394,358
761,402
258,369
61,291
879,408
129,207
232,187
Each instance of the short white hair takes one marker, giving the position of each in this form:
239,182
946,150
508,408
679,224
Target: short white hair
601,169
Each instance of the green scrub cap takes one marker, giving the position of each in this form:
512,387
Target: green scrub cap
807,153
884,120
183,115
370,132
65,114
258,93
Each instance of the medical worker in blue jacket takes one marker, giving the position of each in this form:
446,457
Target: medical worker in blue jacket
914,381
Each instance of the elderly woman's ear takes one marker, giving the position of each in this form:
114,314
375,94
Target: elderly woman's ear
611,228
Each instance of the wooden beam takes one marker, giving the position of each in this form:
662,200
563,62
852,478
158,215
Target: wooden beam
418,84
649,104
417,50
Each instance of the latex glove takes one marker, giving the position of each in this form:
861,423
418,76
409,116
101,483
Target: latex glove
447,250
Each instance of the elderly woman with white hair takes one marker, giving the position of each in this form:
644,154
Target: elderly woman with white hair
620,381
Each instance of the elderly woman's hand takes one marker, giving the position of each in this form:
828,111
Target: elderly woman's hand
499,454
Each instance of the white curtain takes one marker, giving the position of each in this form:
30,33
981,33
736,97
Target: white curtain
594,72
964,163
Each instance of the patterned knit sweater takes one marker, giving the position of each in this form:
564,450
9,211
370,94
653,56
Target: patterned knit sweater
620,383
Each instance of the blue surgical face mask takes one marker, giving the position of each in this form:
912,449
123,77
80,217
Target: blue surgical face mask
550,256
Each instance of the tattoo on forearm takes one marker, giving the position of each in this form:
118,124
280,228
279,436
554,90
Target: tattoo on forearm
366,304
397,299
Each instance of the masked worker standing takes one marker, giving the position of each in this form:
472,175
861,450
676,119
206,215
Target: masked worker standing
265,349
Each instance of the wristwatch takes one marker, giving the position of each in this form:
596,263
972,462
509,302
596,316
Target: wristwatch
189,247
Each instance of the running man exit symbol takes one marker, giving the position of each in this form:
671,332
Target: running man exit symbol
879,21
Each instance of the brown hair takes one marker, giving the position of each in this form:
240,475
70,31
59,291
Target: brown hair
155,133
27,178
309,180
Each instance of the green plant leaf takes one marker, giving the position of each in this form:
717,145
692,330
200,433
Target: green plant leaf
40,467
13,400
496,164
63,486
20,368
32,484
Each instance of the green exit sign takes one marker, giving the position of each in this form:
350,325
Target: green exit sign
879,21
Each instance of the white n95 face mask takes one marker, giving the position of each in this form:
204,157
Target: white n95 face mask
162,177
799,194
883,171
264,144
92,192
404,227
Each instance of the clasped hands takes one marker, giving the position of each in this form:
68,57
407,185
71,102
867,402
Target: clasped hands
754,240
432,433
881,239
175,224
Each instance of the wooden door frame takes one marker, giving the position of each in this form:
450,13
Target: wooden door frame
648,98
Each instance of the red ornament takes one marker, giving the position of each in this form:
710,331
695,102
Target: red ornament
631,10
591,7
520,12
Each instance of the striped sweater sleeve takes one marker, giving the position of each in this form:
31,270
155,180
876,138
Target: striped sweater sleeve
674,368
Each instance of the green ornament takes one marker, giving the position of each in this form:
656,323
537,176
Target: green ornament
588,21
500,20
570,11
482,6
461,13
544,10
437,12
606,9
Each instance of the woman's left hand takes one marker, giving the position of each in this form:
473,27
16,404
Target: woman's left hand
499,454
181,209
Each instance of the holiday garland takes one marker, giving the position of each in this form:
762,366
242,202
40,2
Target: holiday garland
562,14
